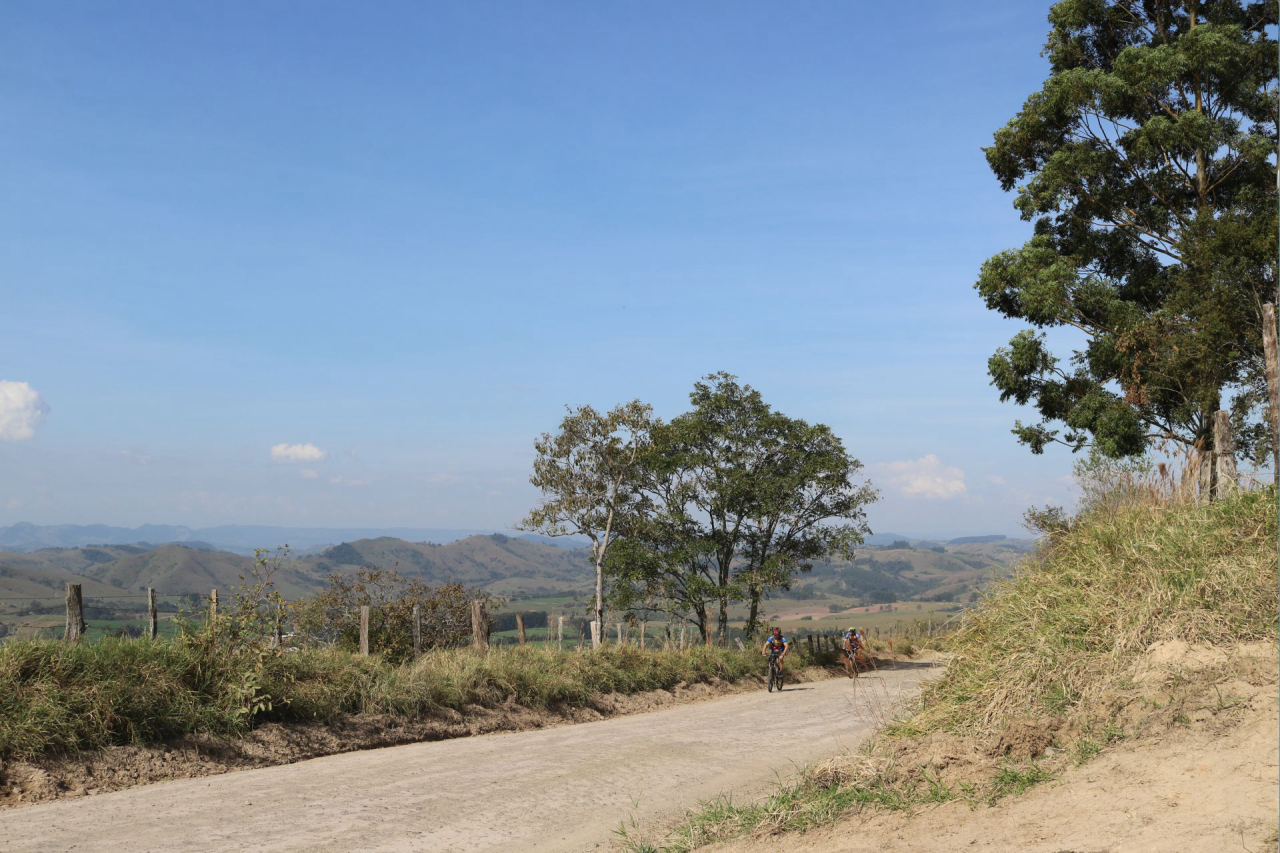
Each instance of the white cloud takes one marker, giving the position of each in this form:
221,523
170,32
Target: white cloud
308,474
343,481
996,480
21,410
925,477
296,453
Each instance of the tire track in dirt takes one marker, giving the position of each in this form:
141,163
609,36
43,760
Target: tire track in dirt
560,789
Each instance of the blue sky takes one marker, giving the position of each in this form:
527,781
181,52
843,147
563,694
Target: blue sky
409,234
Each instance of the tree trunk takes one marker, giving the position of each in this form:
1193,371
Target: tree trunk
595,636
753,613
1271,354
703,620
723,621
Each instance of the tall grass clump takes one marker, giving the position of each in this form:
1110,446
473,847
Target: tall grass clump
1099,592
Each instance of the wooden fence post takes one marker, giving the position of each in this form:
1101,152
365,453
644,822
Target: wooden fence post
1271,357
152,620
810,639
364,630
1226,479
479,625
595,634
417,630
560,634
621,642
75,614
644,626
741,647
520,627
213,607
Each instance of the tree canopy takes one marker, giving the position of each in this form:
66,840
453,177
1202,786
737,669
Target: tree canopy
1147,163
738,498
588,473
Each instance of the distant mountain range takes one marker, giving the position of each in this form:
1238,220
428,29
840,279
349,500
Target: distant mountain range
502,564
510,566
239,539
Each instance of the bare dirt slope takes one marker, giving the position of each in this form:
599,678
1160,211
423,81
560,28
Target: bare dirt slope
560,789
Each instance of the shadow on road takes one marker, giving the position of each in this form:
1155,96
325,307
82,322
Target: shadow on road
909,664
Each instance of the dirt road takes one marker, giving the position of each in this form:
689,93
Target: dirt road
561,789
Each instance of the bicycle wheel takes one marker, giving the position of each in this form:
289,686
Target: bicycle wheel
779,679
773,674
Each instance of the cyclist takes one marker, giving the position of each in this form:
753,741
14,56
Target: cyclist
860,649
849,649
776,644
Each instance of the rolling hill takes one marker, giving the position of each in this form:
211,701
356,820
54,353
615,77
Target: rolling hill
238,539
513,567
504,565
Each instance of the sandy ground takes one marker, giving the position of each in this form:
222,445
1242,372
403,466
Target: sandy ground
1209,783
561,789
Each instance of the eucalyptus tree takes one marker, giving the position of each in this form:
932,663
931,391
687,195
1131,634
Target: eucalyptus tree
1147,163
589,474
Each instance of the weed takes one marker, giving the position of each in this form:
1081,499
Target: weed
1014,780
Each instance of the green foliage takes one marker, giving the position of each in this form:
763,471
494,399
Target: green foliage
1145,163
333,616
589,474
737,500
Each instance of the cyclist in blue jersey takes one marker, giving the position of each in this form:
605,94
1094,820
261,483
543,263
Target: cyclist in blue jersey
776,644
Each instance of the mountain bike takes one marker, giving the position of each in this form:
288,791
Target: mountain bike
775,671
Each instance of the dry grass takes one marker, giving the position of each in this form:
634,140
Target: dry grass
1055,637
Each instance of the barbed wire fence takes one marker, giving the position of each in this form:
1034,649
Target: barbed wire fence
123,614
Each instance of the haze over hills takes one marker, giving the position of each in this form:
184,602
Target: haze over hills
513,567
242,539
501,564
239,539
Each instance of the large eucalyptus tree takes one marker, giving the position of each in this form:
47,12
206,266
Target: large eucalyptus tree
1148,164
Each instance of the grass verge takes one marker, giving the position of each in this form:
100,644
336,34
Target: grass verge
57,698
